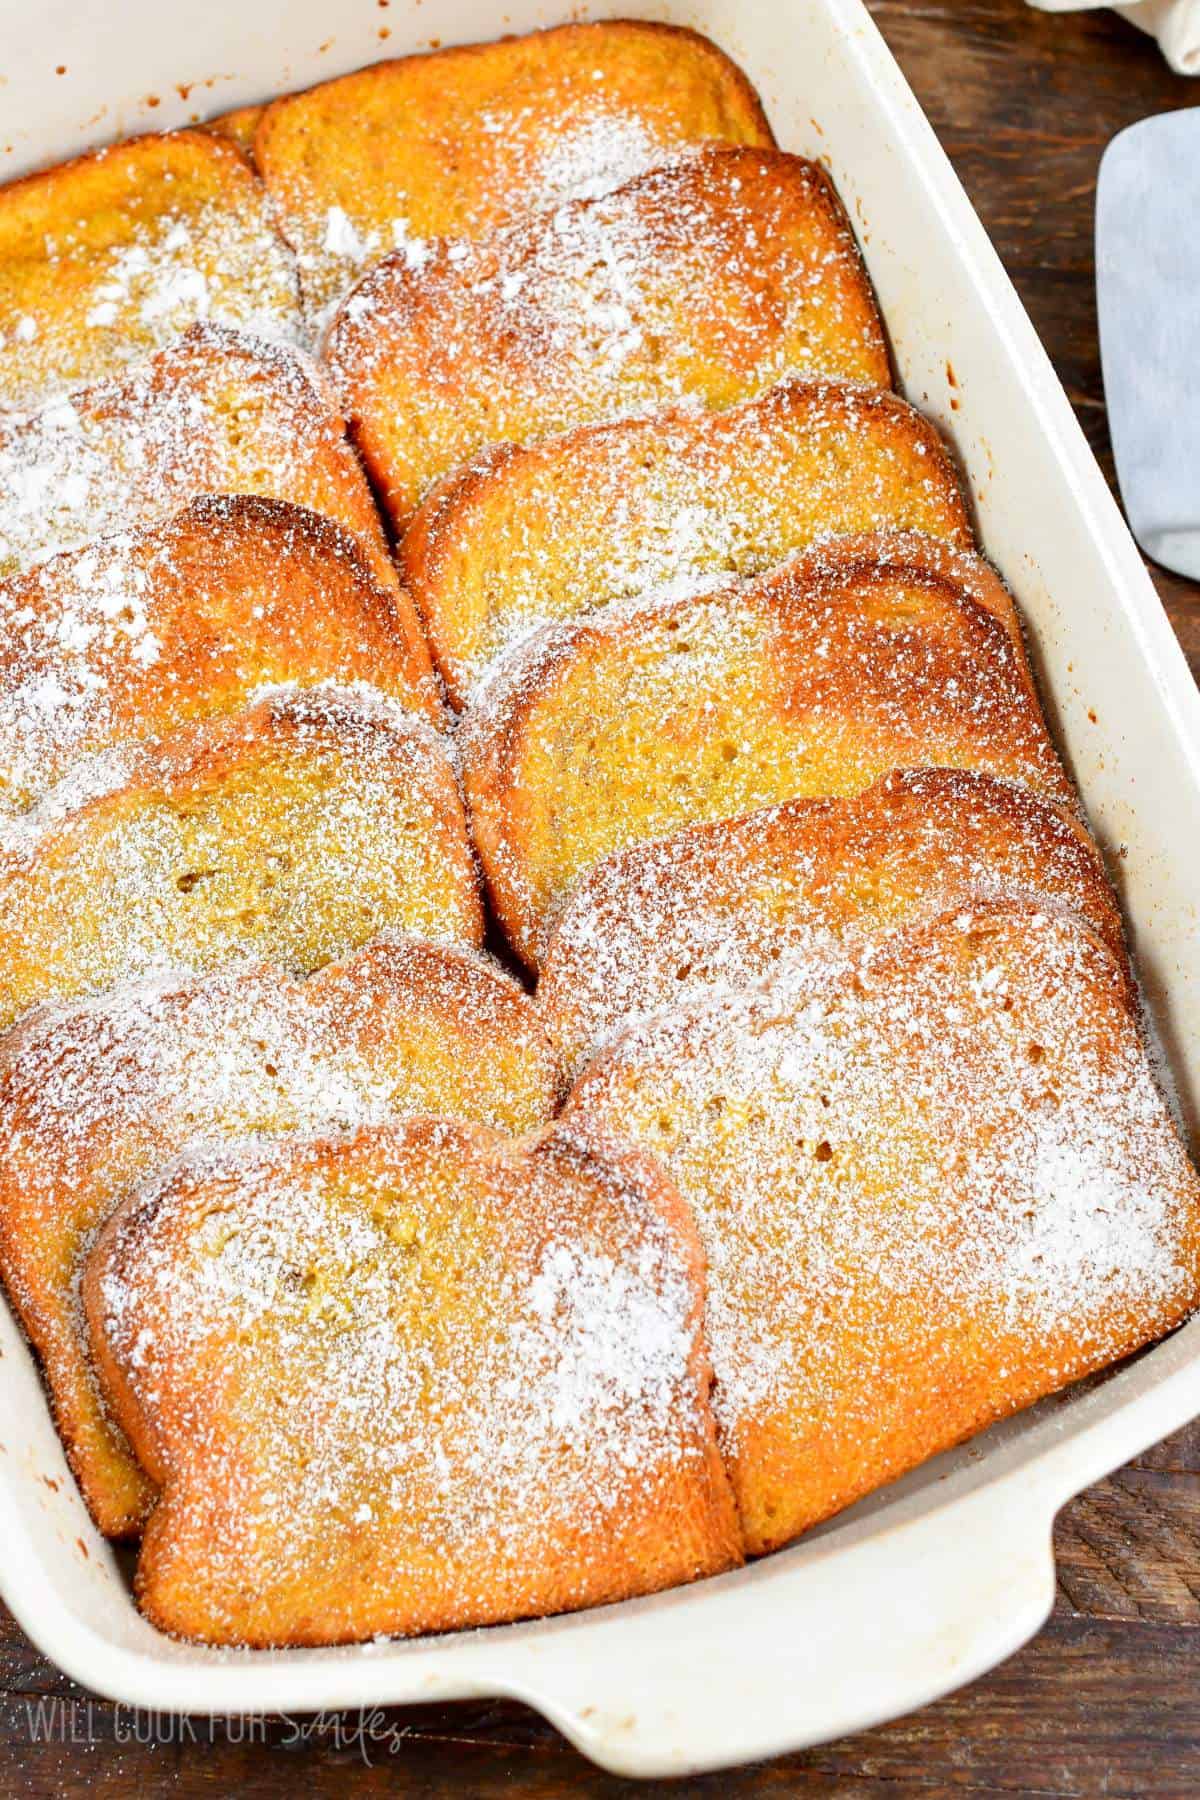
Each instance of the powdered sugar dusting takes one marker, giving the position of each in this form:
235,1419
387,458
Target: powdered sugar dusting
659,508
965,1117
331,267
488,1424
600,151
719,907
140,631
811,681
221,260
210,267
707,280
93,1095
217,412
297,830
471,140
248,1044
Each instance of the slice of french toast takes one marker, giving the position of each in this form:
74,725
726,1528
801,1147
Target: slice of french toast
95,1096
707,280
217,412
857,657
107,258
932,1185
418,1379
475,136
722,906
295,830
657,506
140,631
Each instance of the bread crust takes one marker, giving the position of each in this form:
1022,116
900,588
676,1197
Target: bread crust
504,1482
522,537
457,142
106,258
239,125
137,633
934,1184
725,905
602,309
296,829
852,659
95,1096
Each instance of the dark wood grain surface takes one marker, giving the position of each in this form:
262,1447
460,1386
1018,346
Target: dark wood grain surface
1107,1699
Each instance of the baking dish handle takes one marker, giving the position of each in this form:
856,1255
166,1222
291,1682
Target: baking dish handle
877,1621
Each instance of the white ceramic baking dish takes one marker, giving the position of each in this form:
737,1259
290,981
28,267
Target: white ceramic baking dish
935,1579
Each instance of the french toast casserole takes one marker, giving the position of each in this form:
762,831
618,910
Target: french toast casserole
561,1020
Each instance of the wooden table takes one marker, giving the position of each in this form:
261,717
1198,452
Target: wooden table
1107,1699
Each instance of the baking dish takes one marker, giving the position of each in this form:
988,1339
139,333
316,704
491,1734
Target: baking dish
933,1580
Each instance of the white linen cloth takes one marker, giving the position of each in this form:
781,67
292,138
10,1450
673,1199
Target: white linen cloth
1175,23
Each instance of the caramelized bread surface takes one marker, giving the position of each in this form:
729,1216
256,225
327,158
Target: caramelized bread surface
107,258
296,830
661,506
459,142
860,656
239,126
217,412
722,906
419,1379
932,1185
95,1096
140,631
708,280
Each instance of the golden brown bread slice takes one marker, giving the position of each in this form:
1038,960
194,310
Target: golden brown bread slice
414,1380
140,631
296,830
460,142
857,657
932,1186
107,258
239,125
96,1096
724,905
707,280
218,412
661,505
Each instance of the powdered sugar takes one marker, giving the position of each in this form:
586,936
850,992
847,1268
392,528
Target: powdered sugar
345,251
198,269
811,681
218,412
56,691
94,1094
708,279
594,155
141,631
469,141
296,829
192,244
606,1342
494,1423
720,906
964,1119
662,508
